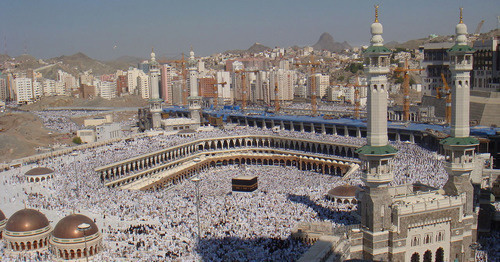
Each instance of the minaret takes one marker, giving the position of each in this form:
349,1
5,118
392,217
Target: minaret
155,100
376,154
459,147
154,71
194,99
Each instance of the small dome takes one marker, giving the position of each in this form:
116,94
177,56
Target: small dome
2,216
343,191
67,228
377,29
26,220
461,29
37,171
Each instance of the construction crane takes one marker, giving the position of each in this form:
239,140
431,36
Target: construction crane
406,88
446,93
244,86
182,62
478,28
356,98
216,92
313,64
276,98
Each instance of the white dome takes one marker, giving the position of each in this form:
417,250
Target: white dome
461,39
461,29
377,28
377,40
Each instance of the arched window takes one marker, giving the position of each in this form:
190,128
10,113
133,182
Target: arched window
428,238
440,255
428,256
415,257
415,241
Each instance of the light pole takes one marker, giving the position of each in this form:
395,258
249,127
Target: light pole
196,181
84,227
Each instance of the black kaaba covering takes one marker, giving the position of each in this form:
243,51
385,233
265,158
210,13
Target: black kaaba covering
245,183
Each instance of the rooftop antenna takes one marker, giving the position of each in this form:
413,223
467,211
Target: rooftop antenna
5,44
498,21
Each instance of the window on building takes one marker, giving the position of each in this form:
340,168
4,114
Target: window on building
440,236
415,241
428,238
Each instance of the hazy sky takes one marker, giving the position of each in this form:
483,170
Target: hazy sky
63,27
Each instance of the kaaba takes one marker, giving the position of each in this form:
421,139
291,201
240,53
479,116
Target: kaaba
245,183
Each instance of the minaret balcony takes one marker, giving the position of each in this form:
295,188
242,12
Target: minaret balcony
464,167
378,70
377,179
461,67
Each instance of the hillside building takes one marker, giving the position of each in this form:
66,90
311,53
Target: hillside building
24,90
486,74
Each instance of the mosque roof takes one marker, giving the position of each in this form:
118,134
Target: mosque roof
26,220
39,171
2,216
461,48
343,191
459,141
377,49
376,150
67,228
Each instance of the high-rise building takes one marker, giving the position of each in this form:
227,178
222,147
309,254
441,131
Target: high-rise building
322,84
49,87
166,84
60,88
435,62
285,80
207,87
37,90
106,89
24,90
132,75
121,85
224,90
486,74
70,82
3,89
143,85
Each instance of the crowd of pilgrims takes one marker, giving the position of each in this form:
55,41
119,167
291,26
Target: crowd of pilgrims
324,106
60,120
161,225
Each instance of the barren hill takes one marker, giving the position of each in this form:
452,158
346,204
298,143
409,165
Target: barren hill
124,62
326,42
80,62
